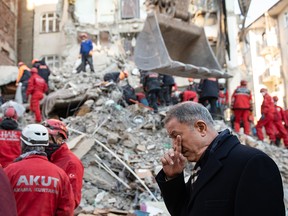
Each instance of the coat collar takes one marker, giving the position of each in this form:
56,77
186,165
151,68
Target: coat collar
214,164
59,152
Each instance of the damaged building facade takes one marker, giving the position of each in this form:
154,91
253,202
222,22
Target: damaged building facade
8,32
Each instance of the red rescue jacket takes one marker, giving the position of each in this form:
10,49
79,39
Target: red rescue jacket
189,96
267,107
40,187
280,115
10,147
241,98
73,167
36,84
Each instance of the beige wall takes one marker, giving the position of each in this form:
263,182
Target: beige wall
46,43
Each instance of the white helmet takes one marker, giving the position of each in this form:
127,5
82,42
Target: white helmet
35,135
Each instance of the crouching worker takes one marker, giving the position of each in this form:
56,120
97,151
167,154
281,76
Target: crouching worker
59,154
40,187
115,76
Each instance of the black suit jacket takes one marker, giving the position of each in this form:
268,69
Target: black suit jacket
236,180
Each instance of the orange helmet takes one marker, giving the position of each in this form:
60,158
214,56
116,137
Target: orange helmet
34,61
56,127
190,79
275,98
34,70
10,112
123,75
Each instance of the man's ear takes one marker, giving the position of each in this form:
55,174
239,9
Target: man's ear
201,126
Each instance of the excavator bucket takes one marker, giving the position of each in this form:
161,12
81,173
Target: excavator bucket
170,46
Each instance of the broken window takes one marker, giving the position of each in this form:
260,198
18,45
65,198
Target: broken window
53,61
49,23
129,9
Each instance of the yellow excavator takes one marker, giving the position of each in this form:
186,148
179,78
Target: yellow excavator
170,44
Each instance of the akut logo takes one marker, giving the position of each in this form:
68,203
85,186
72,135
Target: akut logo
37,181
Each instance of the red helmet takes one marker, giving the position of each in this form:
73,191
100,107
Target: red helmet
56,127
20,64
10,112
243,83
275,98
34,70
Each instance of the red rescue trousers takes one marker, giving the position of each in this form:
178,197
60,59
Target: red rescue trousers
35,105
241,114
267,122
282,132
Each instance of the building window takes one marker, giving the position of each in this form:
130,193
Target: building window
49,23
130,9
53,61
286,19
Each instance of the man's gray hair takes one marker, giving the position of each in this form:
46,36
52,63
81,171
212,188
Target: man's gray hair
188,113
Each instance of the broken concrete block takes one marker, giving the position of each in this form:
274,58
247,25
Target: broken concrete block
112,138
141,148
143,173
128,144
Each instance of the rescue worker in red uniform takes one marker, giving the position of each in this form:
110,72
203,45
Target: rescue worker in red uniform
267,118
7,199
36,88
188,95
241,104
279,118
40,187
59,154
10,133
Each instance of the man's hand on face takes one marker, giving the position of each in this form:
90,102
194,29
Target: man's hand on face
173,161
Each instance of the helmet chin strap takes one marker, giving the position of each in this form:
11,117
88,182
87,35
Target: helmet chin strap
53,140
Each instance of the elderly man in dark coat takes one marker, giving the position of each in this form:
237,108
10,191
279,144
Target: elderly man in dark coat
228,179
